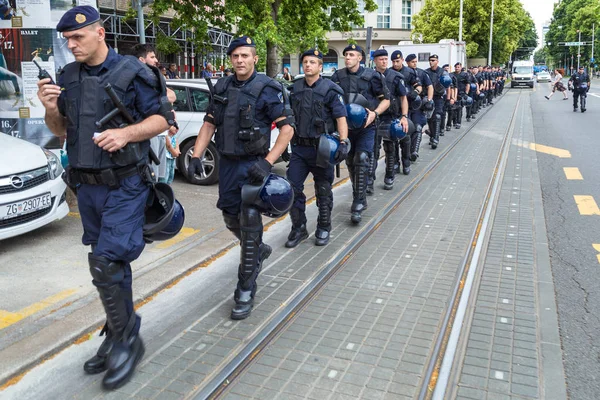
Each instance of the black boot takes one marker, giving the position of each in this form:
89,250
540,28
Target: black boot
325,205
435,139
390,160
298,232
405,145
128,348
97,363
359,202
415,143
371,175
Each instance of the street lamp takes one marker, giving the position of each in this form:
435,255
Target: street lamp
578,48
491,31
460,22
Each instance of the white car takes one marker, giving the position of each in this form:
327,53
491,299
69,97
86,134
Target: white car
543,77
190,107
32,193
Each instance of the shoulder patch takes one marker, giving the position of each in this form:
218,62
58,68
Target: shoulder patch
280,96
341,99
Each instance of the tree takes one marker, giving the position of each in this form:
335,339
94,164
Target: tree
513,26
539,57
277,26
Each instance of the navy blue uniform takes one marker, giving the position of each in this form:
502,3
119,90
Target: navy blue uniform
581,85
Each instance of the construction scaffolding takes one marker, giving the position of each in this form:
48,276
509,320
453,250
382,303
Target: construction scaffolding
123,34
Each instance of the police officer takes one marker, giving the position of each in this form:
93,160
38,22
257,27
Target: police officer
473,92
451,100
363,87
463,89
439,92
242,108
580,82
403,146
422,88
480,87
398,109
107,165
491,85
319,109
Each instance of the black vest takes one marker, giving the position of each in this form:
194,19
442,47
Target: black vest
239,133
357,88
86,102
308,105
391,79
438,88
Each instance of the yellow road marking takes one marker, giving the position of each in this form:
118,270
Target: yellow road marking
553,151
74,214
8,318
572,173
181,236
597,248
587,205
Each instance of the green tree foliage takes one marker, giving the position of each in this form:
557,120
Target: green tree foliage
540,56
513,26
278,26
568,17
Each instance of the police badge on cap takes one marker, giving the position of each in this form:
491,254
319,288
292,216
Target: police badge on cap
77,18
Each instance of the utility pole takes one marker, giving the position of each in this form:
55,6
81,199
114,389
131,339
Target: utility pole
578,48
141,25
460,23
491,32
593,60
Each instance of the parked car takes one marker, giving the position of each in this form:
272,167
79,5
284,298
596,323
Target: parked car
32,193
543,76
193,97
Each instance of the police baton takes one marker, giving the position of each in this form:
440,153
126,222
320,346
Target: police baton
337,170
121,109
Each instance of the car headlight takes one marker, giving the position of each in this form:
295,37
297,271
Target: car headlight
54,165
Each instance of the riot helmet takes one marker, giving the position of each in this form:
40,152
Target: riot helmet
273,198
357,116
416,103
396,130
328,145
164,216
445,80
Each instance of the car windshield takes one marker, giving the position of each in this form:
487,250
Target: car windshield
522,70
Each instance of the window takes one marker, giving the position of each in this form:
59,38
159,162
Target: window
424,56
406,14
383,13
361,10
200,99
181,102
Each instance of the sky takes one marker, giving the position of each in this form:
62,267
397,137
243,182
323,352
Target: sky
540,11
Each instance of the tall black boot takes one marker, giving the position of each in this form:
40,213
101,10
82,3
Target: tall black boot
405,144
390,159
415,142
97,363
298,232
252,254
325,205
359,194
127,347
371,174
435,140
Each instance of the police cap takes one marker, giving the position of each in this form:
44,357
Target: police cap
311,53
352,47
379,53
396,55
445,65
433,56
457,64
77,18
239,42
410,57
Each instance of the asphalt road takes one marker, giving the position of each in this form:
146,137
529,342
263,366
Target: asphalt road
571,235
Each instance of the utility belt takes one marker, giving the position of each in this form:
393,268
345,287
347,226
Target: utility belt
308,142
245,157
110,177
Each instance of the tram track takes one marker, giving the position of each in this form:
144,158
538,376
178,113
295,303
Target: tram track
228,374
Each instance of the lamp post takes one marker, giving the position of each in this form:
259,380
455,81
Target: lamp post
578,48
460,22
491,32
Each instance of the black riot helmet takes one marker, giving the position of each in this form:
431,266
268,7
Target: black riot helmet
164,216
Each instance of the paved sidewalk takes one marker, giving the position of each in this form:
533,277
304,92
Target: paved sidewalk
411,263
511,348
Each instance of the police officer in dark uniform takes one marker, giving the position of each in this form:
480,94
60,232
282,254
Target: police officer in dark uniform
451,99
478,71
242,108
398,109
366,88
463,90
403,146
439,92
491,85
580,82
107,166
473,92
422,88
319,109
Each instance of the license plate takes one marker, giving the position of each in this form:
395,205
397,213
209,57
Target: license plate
26,206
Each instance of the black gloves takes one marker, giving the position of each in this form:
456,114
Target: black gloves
286,156
341,153
196,167
259,171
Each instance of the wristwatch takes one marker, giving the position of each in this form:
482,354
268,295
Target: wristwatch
345,141
405,116
376,114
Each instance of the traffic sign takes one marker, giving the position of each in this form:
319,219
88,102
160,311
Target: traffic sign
592,59
574,44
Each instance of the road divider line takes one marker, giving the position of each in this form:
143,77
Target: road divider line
74,214
587,205
181,236
593,94
553,151
8,318
573,174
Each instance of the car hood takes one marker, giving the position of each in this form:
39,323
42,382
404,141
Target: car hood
17,155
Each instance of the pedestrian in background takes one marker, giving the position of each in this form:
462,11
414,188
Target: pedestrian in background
172,153
286,74
558,85
208,71
172,71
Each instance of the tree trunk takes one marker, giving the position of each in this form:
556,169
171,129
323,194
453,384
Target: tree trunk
272,57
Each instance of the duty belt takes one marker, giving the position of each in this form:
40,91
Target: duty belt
110,177
308,142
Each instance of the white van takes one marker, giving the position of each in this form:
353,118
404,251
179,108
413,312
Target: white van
522,74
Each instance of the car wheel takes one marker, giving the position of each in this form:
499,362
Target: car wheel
211,164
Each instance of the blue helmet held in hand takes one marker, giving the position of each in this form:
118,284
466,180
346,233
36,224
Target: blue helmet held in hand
328,145
273,198
357,116
473,87
445,80
469,101
416,103
164,217
396,130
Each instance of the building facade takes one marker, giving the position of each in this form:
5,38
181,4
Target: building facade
391,23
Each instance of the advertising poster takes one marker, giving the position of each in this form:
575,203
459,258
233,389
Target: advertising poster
27,34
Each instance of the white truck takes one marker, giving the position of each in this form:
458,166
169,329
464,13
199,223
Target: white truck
449,52
522,74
